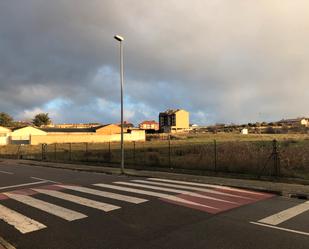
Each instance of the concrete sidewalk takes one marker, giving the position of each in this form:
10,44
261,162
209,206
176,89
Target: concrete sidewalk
280,188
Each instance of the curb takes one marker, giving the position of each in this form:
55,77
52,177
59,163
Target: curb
299,196
278,188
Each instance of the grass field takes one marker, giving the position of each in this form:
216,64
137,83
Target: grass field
231,153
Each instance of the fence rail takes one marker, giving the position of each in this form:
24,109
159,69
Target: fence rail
258,158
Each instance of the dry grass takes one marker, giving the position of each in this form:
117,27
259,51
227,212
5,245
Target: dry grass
245,154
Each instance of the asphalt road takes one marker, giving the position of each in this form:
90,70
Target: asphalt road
63,209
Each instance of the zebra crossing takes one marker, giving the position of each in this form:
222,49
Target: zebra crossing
275,220
209,198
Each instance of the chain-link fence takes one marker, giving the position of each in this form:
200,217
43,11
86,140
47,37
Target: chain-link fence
257,158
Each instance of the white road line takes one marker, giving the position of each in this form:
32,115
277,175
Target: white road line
24,184
53,209
207,185
6,172
5,244
120,197
191,188
155,194
280,228
37,178
20,222
174,191
286,214
79,200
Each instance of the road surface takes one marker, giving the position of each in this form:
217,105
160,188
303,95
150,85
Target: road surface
63,209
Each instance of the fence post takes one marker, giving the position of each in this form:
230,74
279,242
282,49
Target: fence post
276,158
134,152
18,152
70,151
86,150
144,150
215,154
109,152
43,152
169,151
55,151
24,153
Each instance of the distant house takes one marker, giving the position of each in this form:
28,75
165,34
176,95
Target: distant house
127,126
99,134
107,129
4,135
149,125
194,125
295,122
244,131
174,121
23,135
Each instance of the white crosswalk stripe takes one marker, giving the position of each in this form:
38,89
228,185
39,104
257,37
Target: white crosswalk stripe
115,196
53,209
79,200
20,222
286,214
174,191
207,185
190,188
151,193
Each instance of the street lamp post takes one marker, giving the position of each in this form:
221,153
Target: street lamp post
120,39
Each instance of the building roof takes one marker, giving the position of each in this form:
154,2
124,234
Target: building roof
25,126
72,125
29,128
149,122
292,120
5,129
171,111
52,129
77,130
126,124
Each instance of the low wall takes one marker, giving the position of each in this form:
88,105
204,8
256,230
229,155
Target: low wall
4,140
86,138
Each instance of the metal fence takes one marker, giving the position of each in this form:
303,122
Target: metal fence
256,158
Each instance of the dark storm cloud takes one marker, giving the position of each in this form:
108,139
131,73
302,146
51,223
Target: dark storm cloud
224,61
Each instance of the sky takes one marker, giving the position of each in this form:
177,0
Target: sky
223,61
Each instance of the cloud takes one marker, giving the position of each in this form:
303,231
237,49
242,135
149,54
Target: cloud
224,61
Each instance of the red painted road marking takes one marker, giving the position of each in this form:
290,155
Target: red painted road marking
241,198
28,191
3,197
221,206
253,195
51,187
23,192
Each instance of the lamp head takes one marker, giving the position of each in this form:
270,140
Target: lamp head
119,38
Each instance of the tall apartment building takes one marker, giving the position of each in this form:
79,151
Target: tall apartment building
174,120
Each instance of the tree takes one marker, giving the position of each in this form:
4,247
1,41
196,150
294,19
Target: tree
5,119
41,119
